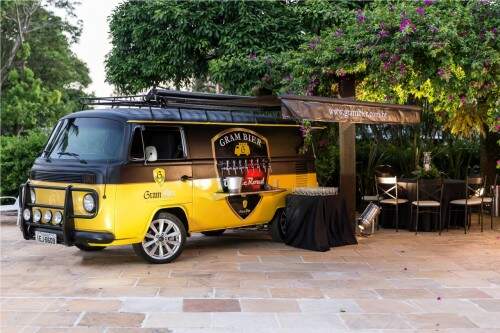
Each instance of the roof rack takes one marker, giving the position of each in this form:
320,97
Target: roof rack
161,97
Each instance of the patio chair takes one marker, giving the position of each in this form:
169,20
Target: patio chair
385,170
489,199
387,193
474,192
429,198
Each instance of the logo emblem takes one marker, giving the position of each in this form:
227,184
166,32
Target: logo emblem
243,205
159,176
242,148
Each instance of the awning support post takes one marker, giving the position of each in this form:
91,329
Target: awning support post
347,141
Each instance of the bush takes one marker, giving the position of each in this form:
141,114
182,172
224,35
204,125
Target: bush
16,158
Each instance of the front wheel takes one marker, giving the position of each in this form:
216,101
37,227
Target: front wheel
278,226
164,240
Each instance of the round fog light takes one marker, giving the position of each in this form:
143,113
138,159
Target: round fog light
89,203
57,218
47,216
26,214
32,195
37,215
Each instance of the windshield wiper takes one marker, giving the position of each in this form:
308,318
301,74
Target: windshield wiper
75,155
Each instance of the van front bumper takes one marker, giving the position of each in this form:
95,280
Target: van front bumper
66,233
79,237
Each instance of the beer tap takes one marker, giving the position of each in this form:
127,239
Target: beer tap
227,168
258,164
220,164
240,166
246,165
251,164
234,168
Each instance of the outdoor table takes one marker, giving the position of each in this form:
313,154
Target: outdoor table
317,222
452,189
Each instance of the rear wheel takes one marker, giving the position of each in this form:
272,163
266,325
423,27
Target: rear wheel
214,232
89,248
278,226
164,240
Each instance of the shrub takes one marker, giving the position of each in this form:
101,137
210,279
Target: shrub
16,158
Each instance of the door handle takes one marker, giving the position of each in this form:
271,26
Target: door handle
186,178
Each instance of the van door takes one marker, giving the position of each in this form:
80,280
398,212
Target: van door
164,180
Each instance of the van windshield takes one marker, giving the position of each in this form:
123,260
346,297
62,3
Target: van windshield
86,139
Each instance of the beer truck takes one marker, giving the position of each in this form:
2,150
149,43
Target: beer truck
151,170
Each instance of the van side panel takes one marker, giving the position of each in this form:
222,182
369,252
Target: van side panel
213,209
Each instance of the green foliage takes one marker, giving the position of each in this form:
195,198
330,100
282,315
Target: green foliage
16,158
232,43
27,104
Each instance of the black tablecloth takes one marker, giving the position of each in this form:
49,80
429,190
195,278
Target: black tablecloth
317,222
452,189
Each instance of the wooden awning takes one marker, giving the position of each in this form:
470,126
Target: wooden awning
345,110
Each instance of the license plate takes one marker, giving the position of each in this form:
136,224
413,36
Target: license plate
46,237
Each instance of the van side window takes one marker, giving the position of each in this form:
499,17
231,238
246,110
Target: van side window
136,150
166,140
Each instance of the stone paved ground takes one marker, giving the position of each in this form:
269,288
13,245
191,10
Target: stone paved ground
242,282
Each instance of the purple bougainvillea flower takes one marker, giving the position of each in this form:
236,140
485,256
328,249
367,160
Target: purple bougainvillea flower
339,32
387,65
360,16
252,56
463,100
441,72
433,29
406,24
314,43
439,298
339,49
421,11
383,33
428,2
402,68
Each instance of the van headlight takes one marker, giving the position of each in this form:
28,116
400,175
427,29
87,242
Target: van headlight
32,195
57,218
89,203
47,216
37,215
26,214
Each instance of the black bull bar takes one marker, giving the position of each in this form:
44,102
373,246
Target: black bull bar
67,226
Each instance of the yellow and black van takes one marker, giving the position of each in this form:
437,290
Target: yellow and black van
150,170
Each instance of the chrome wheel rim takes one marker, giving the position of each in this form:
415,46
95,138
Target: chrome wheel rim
162,240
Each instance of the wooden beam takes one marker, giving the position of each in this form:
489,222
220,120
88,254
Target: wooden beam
347,142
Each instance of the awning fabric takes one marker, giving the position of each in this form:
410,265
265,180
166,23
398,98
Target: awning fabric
342,110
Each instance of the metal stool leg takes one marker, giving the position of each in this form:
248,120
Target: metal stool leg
397,218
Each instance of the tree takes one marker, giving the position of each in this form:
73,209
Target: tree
41,80
227,42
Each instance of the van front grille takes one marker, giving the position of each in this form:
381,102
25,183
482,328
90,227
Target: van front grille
64,177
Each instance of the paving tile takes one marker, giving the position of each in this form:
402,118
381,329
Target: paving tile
458,306
241,292
439,321
178,320
269,305
112,319
69,330
490,305
211,305
485,320
375,321
386,306
149,304
404,294
238,321
459,293
56,319
188,292
15,318
80,304
311,321
296,293
329,306
350,293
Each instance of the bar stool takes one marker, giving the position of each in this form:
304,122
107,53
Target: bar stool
429,198
474,192
387,193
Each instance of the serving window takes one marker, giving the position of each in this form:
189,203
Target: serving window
167,142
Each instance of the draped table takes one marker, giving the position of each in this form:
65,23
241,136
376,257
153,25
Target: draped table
452,189
317,222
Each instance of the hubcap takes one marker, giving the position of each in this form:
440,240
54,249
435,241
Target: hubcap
162,240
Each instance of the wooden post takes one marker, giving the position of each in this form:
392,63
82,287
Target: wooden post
347,141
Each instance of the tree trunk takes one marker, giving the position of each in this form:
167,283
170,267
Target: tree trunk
489,153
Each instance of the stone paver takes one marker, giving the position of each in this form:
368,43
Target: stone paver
243,282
